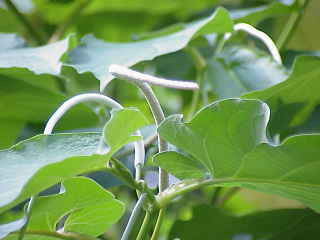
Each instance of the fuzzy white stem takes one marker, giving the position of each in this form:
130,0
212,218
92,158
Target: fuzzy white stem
154,105
128,74
261,36
109,102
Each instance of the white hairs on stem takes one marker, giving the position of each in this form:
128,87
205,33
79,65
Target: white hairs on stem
131,75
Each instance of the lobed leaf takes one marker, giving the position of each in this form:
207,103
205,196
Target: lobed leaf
89,208
293,100
35,164
228,138
96,56
238,70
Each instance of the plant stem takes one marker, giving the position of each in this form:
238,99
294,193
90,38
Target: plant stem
156,231
60,235
137,77
195,99
200,64
263,37
22,231
158,115
144,226
73,15
134,215
292,24
141,80
24,21
164,198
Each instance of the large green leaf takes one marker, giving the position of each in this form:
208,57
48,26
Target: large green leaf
238,70
96,56
35,164
29,91
90,209
10,130
229,138
293,100
7,228
40,60
256,14
212,223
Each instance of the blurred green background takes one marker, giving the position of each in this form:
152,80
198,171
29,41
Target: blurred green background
130,20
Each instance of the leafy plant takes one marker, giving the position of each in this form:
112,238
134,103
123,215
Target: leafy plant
140,170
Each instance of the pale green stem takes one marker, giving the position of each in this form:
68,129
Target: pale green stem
144,226
164,198
24,21
200,64
134,215
156,231
291,25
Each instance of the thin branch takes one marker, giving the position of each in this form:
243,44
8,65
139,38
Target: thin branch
134,215
183,187
134,76
200,64
156,231
141,81
61,29
24,21
158,115
23,230
109,102
292,25
144,226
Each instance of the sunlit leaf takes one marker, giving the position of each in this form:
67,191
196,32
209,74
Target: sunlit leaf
228,138
94,55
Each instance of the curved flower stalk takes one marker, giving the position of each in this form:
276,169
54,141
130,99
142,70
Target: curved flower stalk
109,102
142,80
131,75
268,42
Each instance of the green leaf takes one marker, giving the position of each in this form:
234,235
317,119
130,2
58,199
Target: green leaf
10,130
35,164
8,228
293,100
229,138
29,91
212,223
40,60
257,14
91,210
238,70
95,56
123,122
